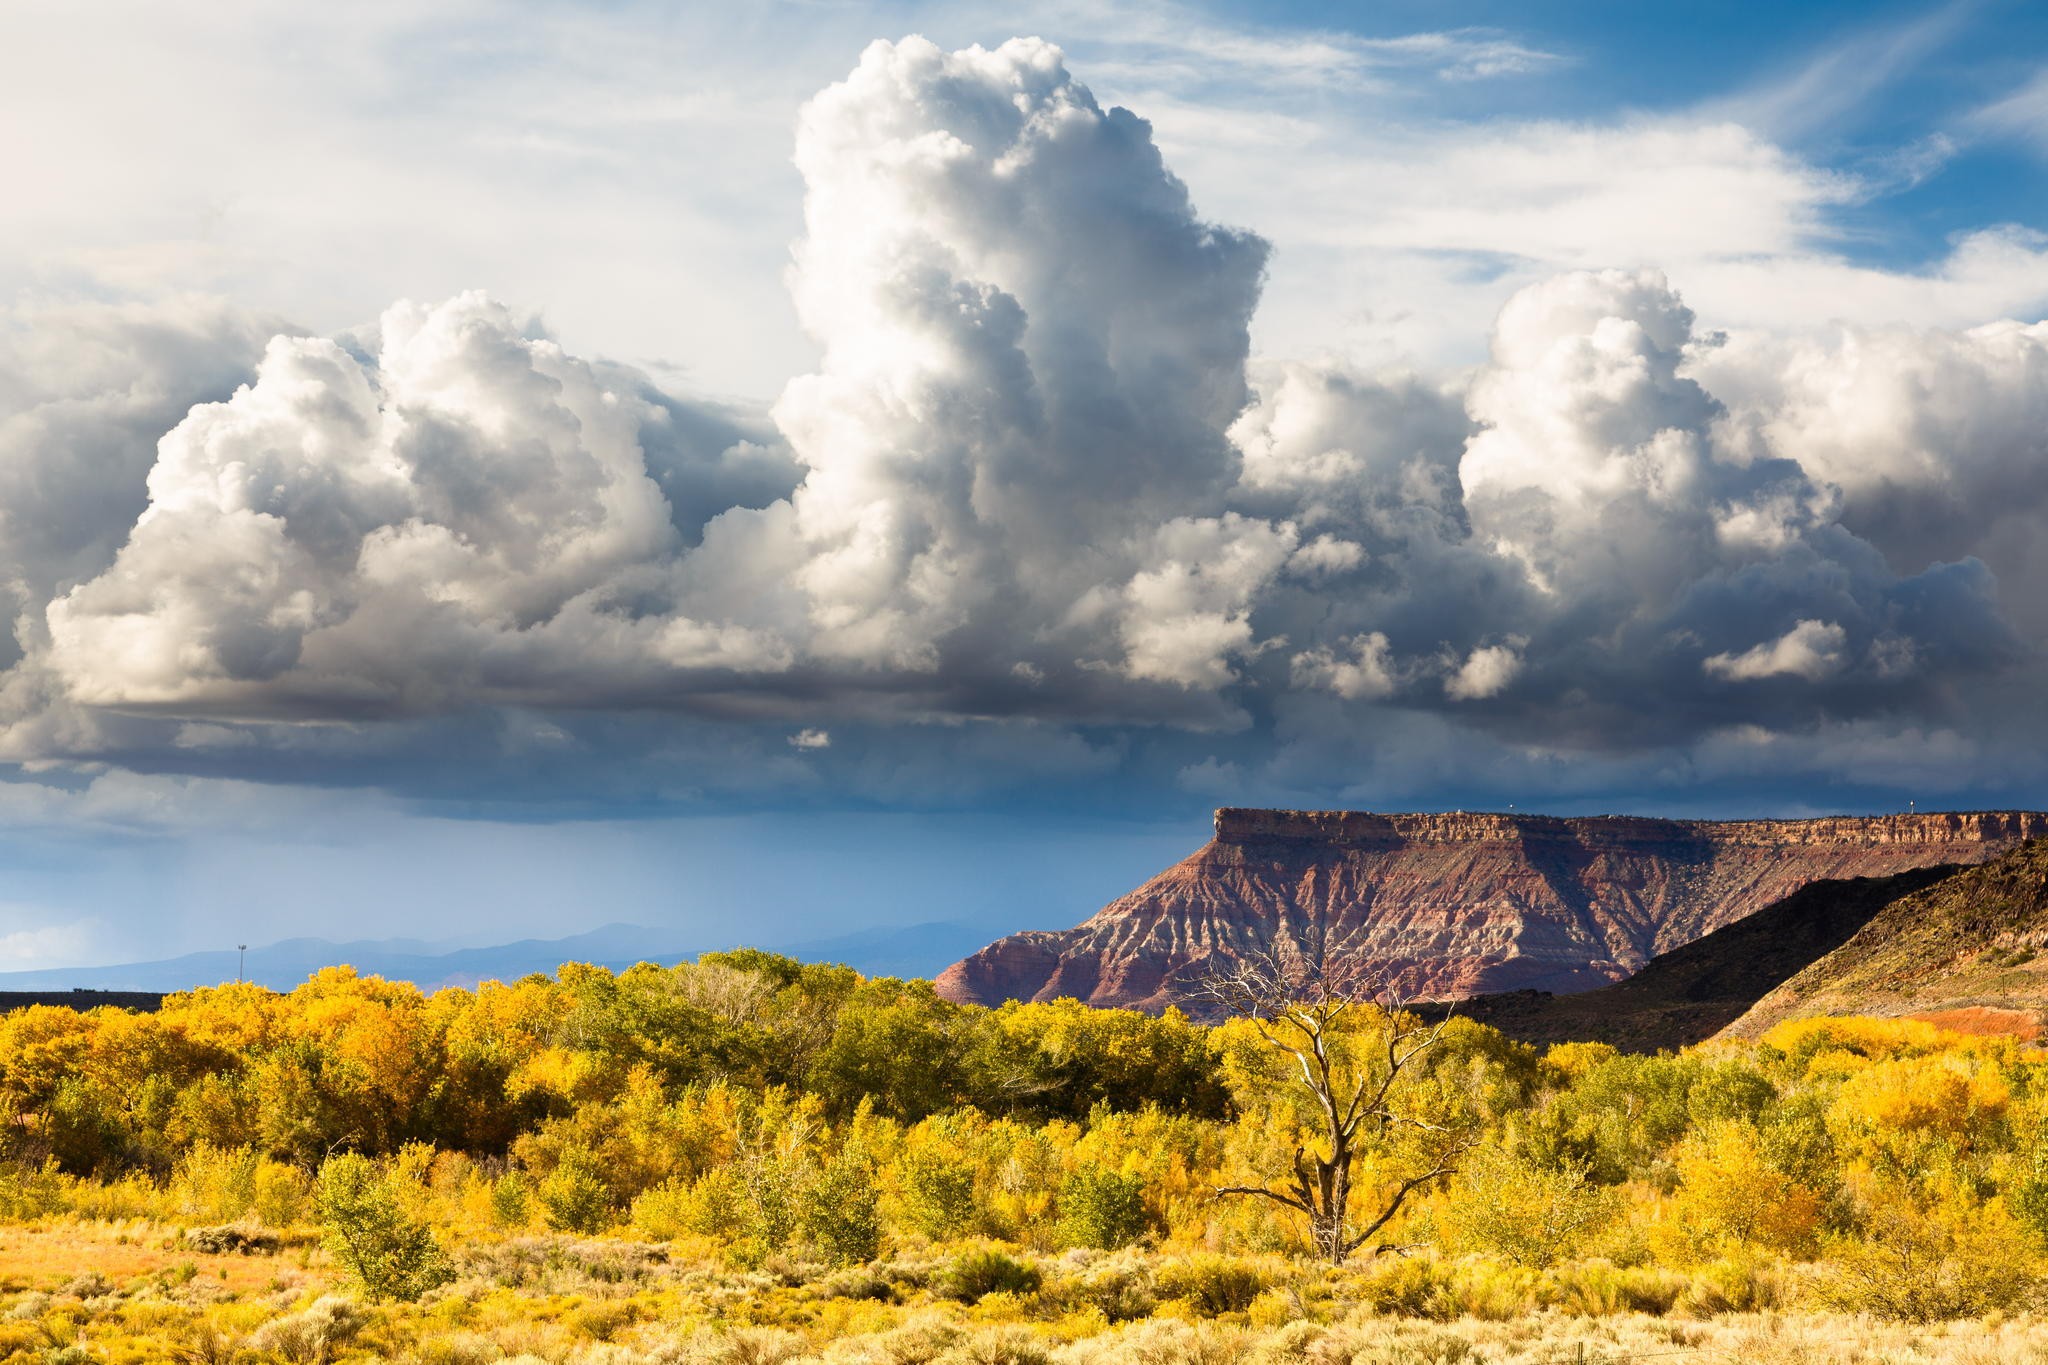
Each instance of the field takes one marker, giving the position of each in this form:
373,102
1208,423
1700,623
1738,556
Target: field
139,1291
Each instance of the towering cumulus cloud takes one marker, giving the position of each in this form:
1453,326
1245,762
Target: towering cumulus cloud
1032,477
1033,347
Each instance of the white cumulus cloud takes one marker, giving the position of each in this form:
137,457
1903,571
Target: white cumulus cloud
1811,650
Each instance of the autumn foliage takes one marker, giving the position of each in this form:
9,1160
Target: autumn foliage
1039,1161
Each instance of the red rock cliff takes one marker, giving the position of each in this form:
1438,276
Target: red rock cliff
1459,904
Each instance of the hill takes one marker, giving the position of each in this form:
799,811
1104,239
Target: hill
1694,991
1965,951
1453,905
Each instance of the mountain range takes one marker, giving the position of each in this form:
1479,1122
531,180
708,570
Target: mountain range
913,951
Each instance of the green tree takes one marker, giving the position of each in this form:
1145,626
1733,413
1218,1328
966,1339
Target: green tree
841,1215
1105,1209
391,1255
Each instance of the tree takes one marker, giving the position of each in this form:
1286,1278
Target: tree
1355,1054
391,1255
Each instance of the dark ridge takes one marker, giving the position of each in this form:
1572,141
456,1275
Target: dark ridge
79,998
1974,942
1691,993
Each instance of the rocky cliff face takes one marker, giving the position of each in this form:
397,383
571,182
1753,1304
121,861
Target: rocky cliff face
1453,905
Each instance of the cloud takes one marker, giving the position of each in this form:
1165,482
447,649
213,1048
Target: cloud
1936,440
1486,672
1033,497
1811,650
1359,669
66,944
470,517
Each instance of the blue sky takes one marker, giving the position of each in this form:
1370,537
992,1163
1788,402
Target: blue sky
883,485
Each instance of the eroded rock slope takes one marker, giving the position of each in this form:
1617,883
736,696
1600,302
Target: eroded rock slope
1452,905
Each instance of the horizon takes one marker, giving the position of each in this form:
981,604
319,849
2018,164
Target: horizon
831,470
893,954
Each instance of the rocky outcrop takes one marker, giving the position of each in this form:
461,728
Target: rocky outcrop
1452,905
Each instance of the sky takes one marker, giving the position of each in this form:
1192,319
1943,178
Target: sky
475,471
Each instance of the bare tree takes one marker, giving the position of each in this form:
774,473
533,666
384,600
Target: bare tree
1355,1080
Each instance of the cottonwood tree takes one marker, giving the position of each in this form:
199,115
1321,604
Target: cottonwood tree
1355,1052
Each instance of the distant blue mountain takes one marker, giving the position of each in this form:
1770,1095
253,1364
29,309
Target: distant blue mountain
920,950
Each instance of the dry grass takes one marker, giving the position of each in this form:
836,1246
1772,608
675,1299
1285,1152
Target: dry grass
135,1293
47,1255
1985,1021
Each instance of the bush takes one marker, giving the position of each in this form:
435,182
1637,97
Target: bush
935,1192
30,1191
314,1336
664,1212
1120,1290
1410,1287
511,1200
1736,1284
232,1240
1213,1284
973,1275
1532,1215
1928,1265
1597,1289
1103,1209
390,1255
573,1199
841,1216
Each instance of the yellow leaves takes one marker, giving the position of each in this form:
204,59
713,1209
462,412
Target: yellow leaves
556,1072
1950,1094
1730,1196
1571,1061
40,1046
1864,1037
1530,1214
501,1023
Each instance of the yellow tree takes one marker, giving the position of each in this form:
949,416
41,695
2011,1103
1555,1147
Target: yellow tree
1353,1054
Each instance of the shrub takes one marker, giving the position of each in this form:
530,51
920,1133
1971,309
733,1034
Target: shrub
1213,1284
975,1274
1600,1289
314,1336
216,1183
573,1199
1926,1265
1730,1196
1120,1290
1410,1287
664,1212
390,1255
841,1216
1736,1284
232,1239
935,1191
716,1206
511,1200
1529,1214
1101,1208
30,1191
279,1194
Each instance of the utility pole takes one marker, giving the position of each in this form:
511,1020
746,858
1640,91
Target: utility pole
241,961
